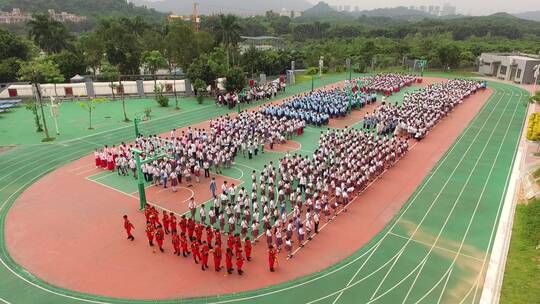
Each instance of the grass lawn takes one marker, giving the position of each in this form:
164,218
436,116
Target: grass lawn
521,282
73,120
17,126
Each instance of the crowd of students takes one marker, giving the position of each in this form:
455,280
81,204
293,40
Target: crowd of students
386,83
319,106
422,109
186,237
288,200
254,93
192,152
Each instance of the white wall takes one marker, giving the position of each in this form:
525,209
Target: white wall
100,88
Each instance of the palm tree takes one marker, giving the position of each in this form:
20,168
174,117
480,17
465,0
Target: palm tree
50,35
228,33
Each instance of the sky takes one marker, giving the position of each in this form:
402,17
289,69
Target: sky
473,7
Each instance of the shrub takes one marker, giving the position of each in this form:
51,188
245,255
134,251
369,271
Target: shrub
533,127
147,112
163,101
200,89
312,71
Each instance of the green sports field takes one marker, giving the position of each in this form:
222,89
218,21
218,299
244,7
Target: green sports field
434,251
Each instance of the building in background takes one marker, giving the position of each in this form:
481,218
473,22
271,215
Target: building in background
436,10
516,67
65,17
290,13
448,10
171,18
17,16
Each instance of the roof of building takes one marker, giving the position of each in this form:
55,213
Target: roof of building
519,56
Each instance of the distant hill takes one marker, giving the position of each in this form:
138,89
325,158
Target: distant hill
533,15
240,7
322,10
399,12
89,8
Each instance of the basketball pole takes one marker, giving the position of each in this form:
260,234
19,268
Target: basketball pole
140,181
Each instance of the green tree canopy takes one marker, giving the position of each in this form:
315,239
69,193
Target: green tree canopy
153,61
92,49
208,67
50,35
40,70
69,63
122,42
235,80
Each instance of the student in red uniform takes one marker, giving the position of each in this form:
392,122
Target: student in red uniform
247,248
183,244
216,251
183,224
198,232
172,223
147,213
237,244
239,261
160,236
209,235
190,228
230,241
218,238
150,233
154,217
228,260
272,256
166,222
195,250
128,226
176,243
204,256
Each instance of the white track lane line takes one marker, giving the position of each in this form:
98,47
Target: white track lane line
448,273
395,257
457,199
226,301
424,260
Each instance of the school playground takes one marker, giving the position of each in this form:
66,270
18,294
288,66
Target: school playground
423,233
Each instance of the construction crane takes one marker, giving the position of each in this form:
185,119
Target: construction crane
195,18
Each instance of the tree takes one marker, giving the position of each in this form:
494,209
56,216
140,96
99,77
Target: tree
122,43
9,69
32,106
228,33
200,89
92,49
179,34
153,61
69,63
281,25
37,71
109,73
251,60
90,105
13,50
207,67
448,55
50,35
13,46
235,80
